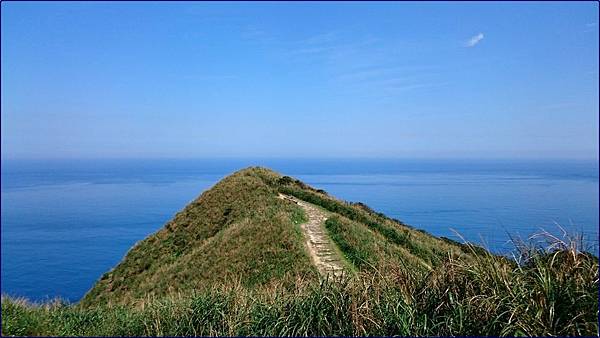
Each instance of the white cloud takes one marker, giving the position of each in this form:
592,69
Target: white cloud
474,40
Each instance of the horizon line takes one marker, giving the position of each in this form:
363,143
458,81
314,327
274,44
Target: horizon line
302,158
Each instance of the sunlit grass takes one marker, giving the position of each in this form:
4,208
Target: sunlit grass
551,290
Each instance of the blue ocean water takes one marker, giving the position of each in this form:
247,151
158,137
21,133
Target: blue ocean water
65,223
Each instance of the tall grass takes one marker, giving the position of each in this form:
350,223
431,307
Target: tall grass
550,290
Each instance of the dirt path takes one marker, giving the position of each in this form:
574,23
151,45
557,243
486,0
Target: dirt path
321,249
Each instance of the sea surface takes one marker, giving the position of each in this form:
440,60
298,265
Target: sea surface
66,222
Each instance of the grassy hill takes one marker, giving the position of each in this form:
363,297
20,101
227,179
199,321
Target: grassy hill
235,262
240,230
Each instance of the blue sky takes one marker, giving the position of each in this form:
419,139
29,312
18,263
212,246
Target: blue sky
395,80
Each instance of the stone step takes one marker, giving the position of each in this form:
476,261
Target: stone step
319,242
325,250
330,259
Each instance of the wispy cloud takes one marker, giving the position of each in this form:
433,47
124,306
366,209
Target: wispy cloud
330,45
217,77
363,65
390,81
590,27
208,78
558,106
417,86
379,72
474,40
367,65
321,38
255,34
314,50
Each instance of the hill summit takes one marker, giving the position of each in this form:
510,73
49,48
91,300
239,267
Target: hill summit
260,229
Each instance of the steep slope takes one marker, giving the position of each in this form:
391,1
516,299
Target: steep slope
237,230
241,231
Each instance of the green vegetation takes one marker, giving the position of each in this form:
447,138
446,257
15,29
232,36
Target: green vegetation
238,228
415,246
353,248
233,262
548,293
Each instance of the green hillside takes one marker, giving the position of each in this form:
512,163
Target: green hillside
240,230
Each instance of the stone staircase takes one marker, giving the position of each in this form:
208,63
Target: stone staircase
323,253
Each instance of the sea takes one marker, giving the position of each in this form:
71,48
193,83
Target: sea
66,222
